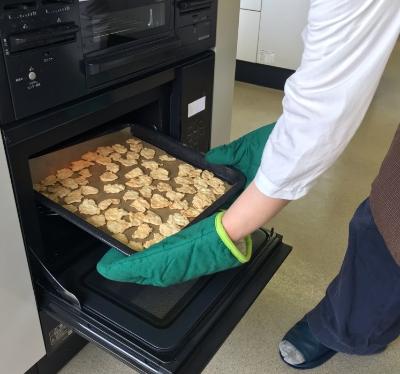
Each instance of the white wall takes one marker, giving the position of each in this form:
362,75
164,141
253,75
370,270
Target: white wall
225,65
282,22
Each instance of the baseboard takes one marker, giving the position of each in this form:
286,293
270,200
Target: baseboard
262,75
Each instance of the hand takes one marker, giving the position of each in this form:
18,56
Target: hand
244,153
198,250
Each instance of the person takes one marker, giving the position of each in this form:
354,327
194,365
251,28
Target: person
347,44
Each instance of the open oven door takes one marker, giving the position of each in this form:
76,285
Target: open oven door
158,330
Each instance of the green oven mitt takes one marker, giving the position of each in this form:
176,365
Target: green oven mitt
244,153
201,249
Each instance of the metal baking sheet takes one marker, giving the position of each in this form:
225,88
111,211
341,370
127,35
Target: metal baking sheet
234,180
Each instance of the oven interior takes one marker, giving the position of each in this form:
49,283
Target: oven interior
159,319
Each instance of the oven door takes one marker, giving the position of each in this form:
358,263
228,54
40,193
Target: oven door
161,330
110,24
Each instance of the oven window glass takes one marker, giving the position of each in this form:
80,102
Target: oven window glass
109,23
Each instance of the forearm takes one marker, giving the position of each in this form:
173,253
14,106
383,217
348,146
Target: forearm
250,211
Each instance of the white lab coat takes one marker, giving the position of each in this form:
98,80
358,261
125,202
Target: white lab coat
347,46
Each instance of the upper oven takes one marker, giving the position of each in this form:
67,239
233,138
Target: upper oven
85,46
110,24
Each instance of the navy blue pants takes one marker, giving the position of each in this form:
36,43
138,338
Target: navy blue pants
360,313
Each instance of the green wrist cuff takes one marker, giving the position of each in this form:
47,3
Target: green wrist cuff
243,258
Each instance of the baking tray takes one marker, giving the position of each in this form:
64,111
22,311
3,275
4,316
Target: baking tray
232,176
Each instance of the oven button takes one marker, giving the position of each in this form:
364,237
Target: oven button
32,76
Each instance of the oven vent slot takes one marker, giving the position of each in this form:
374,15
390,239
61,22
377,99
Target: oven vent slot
20,6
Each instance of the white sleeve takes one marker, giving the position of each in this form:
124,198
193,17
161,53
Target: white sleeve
347,46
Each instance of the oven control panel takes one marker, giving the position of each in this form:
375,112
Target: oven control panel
42,53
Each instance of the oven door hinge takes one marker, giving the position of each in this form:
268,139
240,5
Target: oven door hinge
61,290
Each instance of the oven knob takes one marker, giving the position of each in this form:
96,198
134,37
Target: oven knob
32,76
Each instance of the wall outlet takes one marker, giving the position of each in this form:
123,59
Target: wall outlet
266,57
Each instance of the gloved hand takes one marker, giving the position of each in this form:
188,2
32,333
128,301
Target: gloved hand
244,153
198,250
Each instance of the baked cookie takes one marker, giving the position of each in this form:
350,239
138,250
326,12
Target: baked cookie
140,204
168,229
130,195
167,158
104,151
119,148
73,197
153,218
64,173
114,188
142,232
158,202
160,174
70,183
90,156
89,207
108,177
85,173
147,153
49,181
163,187
121,238
117,227
71,208
97,221
178,219
113,168
134,173
156,239
103,205
115,214
80,164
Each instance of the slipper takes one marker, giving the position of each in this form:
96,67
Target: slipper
315,354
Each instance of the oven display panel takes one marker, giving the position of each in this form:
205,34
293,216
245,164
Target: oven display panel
110,23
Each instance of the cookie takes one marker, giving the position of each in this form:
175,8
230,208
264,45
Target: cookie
146,191
136,246
81,181
85,173
134,173
178,219
142,232
140,204
89,156
97,221
147,153
73,197
163,187
103,160
179,205
117,227
167,158
104,151
187,189
71,208
103,205
158,202
115,214
160,174
152,218
151,165
49,181
175,196
168,229
130,195
114,188
108,177
89,207
113,168
80,164
119,148
127,162
70,183
121,238
157,238
64,173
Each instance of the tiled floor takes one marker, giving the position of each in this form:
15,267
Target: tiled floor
317,228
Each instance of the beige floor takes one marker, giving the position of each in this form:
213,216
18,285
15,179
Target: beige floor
317,228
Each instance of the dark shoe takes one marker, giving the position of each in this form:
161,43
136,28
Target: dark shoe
314,353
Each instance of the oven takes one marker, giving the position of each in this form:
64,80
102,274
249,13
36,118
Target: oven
84,46
154,330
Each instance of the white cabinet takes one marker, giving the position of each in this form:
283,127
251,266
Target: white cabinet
251,4
249,26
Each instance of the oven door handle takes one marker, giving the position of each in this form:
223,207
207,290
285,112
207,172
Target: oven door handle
104,64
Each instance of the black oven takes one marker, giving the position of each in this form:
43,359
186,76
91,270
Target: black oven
78,74
111,24
56,51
